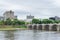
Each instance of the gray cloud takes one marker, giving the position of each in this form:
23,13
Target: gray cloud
38,8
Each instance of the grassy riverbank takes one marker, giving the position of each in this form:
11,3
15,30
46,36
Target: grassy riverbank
17,27
6,29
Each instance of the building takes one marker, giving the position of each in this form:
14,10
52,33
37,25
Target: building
29,18
9,14
55,18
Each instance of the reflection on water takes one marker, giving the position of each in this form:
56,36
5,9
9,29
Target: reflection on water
29,35
9,35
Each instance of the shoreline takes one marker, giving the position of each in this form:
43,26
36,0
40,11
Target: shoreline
12,29
15,29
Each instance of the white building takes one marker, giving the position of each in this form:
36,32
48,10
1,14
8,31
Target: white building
9,14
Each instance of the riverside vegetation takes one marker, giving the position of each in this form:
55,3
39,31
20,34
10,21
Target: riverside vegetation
9,24
45,21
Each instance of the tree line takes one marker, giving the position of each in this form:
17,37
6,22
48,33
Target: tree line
44,21
34,21
11,22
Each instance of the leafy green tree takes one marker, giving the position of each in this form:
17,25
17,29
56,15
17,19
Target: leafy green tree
47,21
17,22
56,21
40,22
1,22
35,21
8,22
14,22
22,22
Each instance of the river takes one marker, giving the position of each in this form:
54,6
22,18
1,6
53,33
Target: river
29,35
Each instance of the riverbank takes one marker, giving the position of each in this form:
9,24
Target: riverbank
12,29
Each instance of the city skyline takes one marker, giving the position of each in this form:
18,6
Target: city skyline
37,8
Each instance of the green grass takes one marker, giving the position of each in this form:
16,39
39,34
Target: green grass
4,29
13,28
7,29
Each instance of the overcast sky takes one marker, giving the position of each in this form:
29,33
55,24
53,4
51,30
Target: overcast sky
37,8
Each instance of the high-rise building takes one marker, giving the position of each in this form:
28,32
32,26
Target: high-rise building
9,14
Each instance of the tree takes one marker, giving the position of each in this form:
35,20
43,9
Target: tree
14,22
17,22
40,22
56,21
22,22
47,21
8,22
35,21
1,22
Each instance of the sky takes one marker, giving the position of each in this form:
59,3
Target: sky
37,8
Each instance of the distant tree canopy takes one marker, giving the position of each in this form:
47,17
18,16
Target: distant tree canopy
34,21
44,21
47,21
12,22
8,22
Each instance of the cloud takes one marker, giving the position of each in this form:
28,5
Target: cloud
11,6
38,8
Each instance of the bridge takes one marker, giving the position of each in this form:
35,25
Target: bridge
47,27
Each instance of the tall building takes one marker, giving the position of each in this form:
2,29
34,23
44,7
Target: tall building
9,14
29,18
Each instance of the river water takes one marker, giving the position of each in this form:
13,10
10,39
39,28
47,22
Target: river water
29,35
